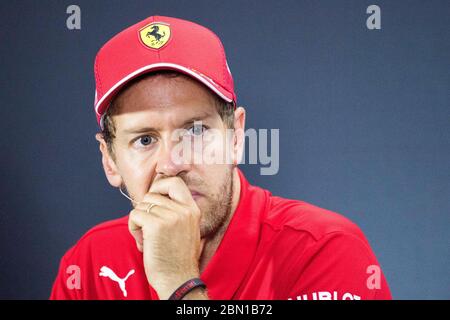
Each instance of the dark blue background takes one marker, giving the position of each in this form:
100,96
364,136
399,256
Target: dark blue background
363,115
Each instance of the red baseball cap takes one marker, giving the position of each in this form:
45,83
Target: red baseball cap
161,43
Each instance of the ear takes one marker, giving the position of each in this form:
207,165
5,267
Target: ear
239,134
109,166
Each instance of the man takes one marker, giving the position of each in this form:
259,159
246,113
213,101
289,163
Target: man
198,230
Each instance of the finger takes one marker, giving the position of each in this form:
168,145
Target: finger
159,200
175,188
136,221
136,233
139,219
139,240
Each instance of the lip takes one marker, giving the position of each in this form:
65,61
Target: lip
196,195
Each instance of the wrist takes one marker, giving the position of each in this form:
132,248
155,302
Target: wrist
166,286
197,293
189,290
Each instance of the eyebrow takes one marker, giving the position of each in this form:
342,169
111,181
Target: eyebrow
202,116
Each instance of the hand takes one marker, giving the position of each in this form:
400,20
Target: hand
168,235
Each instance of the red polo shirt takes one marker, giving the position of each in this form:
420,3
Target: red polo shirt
274,248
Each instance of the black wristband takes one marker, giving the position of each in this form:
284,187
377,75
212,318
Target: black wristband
187,287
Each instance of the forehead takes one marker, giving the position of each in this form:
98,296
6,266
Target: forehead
163,99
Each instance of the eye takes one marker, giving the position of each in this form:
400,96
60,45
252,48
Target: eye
197,129
144,141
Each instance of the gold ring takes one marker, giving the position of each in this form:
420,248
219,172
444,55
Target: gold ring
150,206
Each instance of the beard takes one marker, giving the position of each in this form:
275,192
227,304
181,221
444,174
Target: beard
218,207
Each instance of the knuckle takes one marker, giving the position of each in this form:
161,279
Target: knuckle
148,197
153,198
174,219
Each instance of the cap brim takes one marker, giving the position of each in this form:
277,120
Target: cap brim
103,103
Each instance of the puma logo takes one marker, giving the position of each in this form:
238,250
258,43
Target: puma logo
108,273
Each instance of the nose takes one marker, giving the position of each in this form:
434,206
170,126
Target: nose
169,163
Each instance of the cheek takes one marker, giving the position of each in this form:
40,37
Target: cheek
213,177
137,172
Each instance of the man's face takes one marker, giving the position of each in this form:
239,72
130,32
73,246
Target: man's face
150,115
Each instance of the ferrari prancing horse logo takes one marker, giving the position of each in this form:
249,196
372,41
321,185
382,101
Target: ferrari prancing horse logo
155,35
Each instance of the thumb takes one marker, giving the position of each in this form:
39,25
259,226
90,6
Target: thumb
202,246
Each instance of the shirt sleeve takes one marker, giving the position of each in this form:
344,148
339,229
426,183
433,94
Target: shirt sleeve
339,266
65,285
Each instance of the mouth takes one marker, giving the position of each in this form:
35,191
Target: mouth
196,195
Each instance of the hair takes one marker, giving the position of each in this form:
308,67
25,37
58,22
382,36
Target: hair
224,109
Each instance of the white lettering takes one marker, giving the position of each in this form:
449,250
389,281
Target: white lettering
74,20
374,20
74,280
